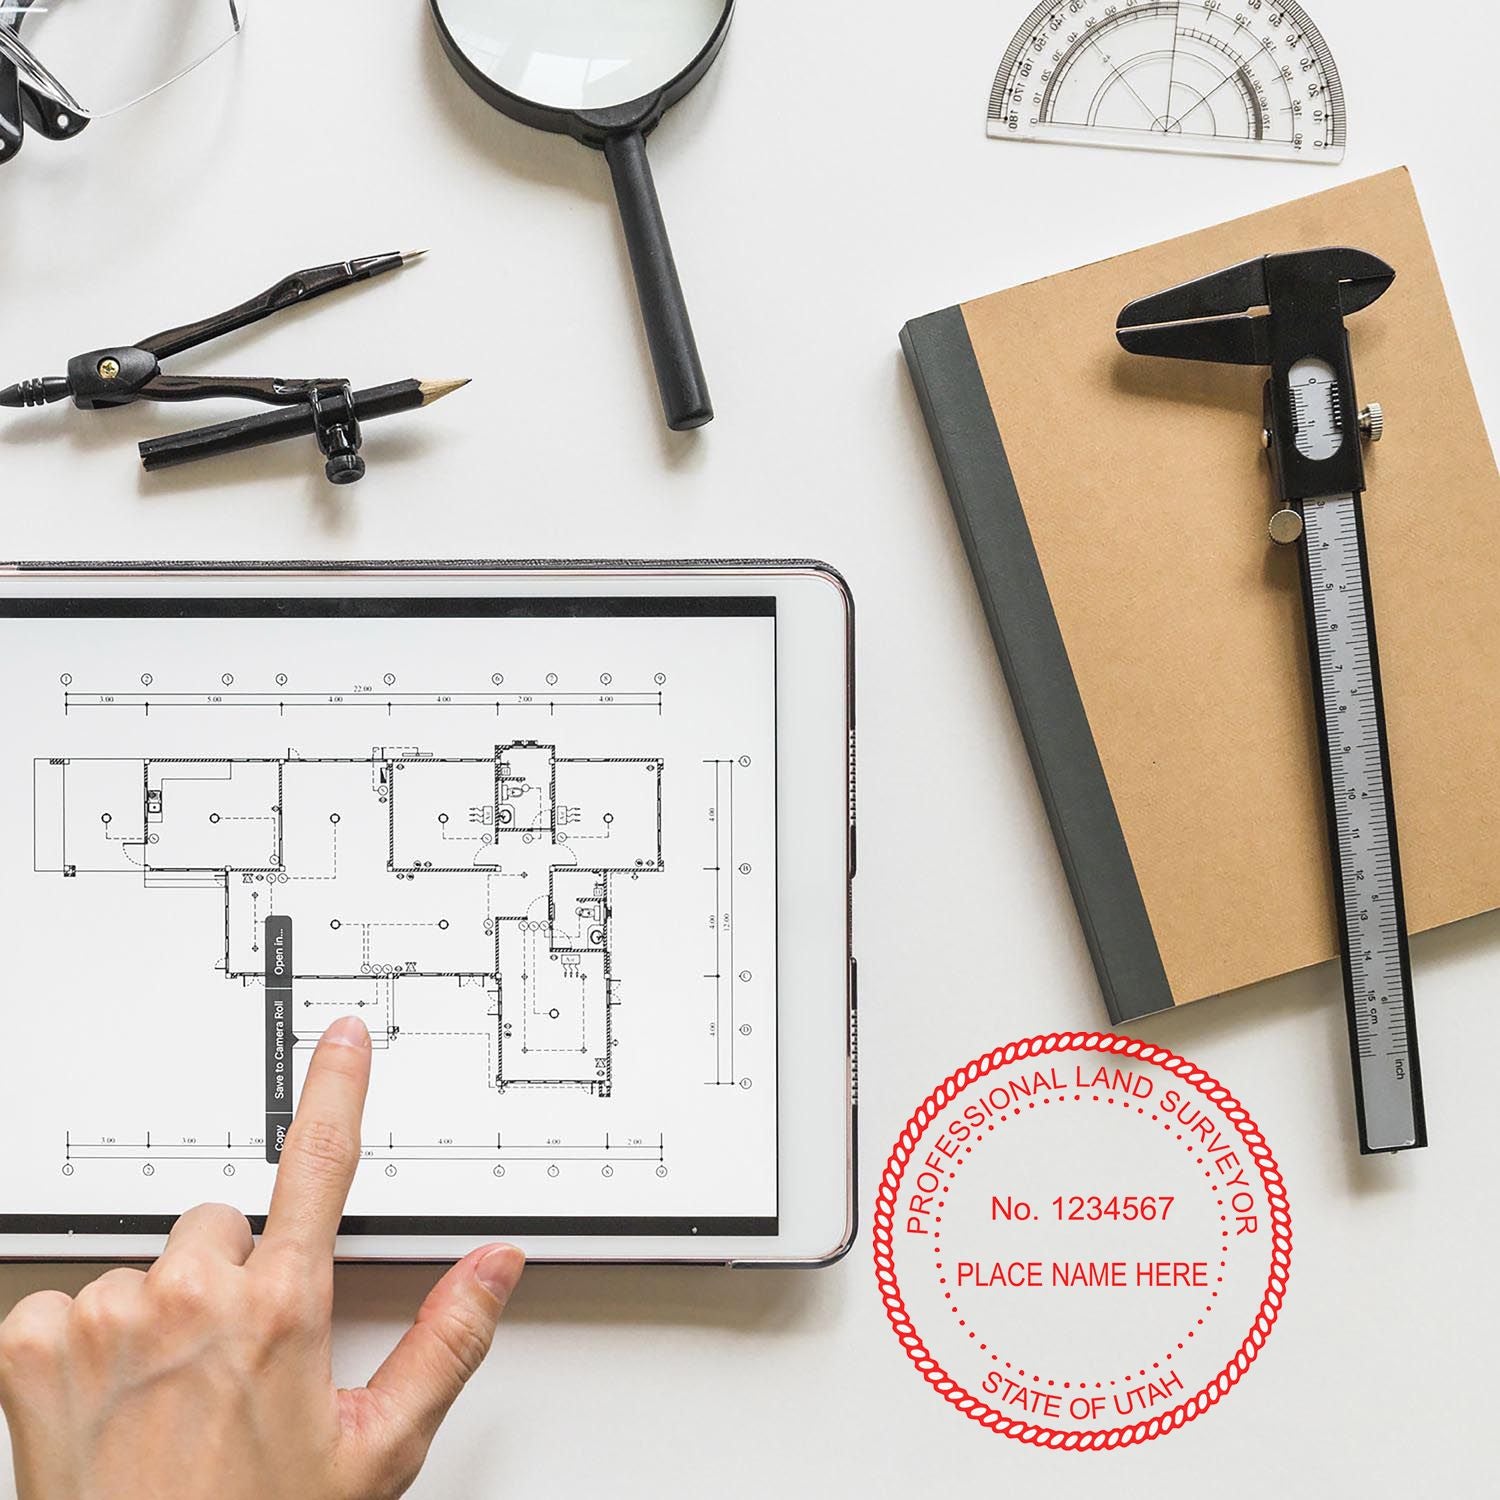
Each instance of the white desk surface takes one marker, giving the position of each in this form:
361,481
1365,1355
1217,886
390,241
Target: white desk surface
829,181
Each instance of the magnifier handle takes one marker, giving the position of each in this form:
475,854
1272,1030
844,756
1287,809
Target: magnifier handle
669,331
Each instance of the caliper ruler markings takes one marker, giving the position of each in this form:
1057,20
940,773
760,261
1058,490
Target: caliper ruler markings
1362,825
1313,432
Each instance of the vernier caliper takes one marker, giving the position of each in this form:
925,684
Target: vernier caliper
1313,427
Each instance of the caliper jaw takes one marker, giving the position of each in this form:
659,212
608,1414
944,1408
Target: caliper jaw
1306,296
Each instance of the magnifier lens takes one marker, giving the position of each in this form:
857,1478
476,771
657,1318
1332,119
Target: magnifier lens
569,66
582,54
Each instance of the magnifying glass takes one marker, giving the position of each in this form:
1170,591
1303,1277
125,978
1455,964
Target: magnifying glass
604,72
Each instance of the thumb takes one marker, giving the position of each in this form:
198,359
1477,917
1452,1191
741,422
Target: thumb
423,1375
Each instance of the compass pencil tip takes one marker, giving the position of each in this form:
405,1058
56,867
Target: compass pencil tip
435,390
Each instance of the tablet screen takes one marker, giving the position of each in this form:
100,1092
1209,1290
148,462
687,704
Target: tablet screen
530,841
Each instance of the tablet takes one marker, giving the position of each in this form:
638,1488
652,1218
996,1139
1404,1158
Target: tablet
576,841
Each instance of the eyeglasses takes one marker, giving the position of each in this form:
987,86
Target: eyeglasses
66,62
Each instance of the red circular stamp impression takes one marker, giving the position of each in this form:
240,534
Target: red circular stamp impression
1082,1240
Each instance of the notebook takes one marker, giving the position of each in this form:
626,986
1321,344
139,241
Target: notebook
1114,510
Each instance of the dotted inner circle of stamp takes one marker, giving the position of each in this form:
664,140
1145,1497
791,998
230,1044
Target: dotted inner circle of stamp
1033,1432
1032,1376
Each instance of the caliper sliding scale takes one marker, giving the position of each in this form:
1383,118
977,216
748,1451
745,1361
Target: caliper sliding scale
1313,428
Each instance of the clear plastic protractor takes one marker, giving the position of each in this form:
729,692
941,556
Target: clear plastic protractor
1222,77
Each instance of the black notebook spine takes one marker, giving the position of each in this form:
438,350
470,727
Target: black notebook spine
992,522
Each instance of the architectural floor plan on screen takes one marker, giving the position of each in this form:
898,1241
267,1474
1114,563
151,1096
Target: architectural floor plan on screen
542,874
476,891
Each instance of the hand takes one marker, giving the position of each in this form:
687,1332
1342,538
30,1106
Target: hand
209,1377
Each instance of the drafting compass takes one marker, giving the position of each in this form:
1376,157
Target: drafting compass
329,410
1313,436
1252,79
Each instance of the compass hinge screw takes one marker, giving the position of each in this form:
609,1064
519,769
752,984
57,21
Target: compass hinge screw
1372,422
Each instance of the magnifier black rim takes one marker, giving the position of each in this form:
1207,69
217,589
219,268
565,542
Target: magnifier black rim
591,126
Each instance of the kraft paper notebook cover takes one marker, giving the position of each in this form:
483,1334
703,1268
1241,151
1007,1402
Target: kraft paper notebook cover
1114,510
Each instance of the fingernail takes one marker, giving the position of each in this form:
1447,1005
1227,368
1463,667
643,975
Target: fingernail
500,1270
348,1031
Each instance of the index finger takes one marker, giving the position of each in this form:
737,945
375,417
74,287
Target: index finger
322,1146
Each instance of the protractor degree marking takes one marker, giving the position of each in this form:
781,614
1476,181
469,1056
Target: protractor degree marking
1241,60
1077,72
1243,73
1091,37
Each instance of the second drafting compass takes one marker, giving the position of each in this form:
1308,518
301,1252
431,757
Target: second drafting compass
1314,428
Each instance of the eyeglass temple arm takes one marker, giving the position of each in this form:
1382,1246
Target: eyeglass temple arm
39,83
21,106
